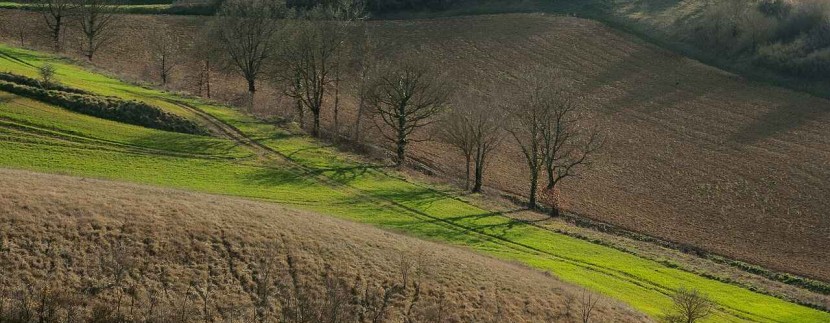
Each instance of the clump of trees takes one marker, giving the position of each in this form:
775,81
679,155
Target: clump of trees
472,128
93,18
549,127
792,37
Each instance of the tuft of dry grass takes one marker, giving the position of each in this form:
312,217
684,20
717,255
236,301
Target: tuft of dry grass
75,249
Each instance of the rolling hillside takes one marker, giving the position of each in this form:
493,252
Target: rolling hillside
56,228
698,156
258,160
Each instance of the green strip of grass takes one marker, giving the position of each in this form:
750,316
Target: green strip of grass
36,114
368,194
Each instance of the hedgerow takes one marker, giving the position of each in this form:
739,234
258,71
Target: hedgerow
132,112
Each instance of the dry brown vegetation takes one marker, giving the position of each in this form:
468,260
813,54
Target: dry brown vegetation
90,249
696,155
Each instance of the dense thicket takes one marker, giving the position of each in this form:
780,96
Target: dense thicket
132,112
792,37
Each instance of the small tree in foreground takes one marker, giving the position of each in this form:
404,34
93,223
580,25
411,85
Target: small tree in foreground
689,306
47,75
405,98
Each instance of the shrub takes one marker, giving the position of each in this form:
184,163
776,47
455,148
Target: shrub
132,112
47,75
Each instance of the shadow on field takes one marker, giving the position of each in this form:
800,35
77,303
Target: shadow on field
195,145
780,120
344,175
19,58
268,176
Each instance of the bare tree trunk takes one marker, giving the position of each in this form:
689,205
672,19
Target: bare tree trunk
207,78
401,144
252,92
56,33
479,171
468,159
336,103
551,178
534,187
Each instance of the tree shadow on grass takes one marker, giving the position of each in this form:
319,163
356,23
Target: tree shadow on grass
345,175
19,58
277,177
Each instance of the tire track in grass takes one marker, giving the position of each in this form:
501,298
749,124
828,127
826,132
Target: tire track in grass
69,136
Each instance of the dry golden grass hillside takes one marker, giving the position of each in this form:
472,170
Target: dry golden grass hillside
109,250
695,155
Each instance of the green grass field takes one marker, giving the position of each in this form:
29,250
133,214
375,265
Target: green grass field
300,171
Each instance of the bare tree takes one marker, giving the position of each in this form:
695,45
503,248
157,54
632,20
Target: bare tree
526,124
313,58
405,98
96,22
55,13
165,49
364,54
567,144
474,131
248,31
209,55
348,14
689,306
587,303
457,130
549,128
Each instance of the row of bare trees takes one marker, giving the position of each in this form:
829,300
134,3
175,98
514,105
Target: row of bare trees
94,19
310,54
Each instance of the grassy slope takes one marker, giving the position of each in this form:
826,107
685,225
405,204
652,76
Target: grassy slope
190,245
361,192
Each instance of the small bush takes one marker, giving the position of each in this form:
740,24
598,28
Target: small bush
132,112
47,75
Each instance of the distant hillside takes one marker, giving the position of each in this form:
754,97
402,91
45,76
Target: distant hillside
787,40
